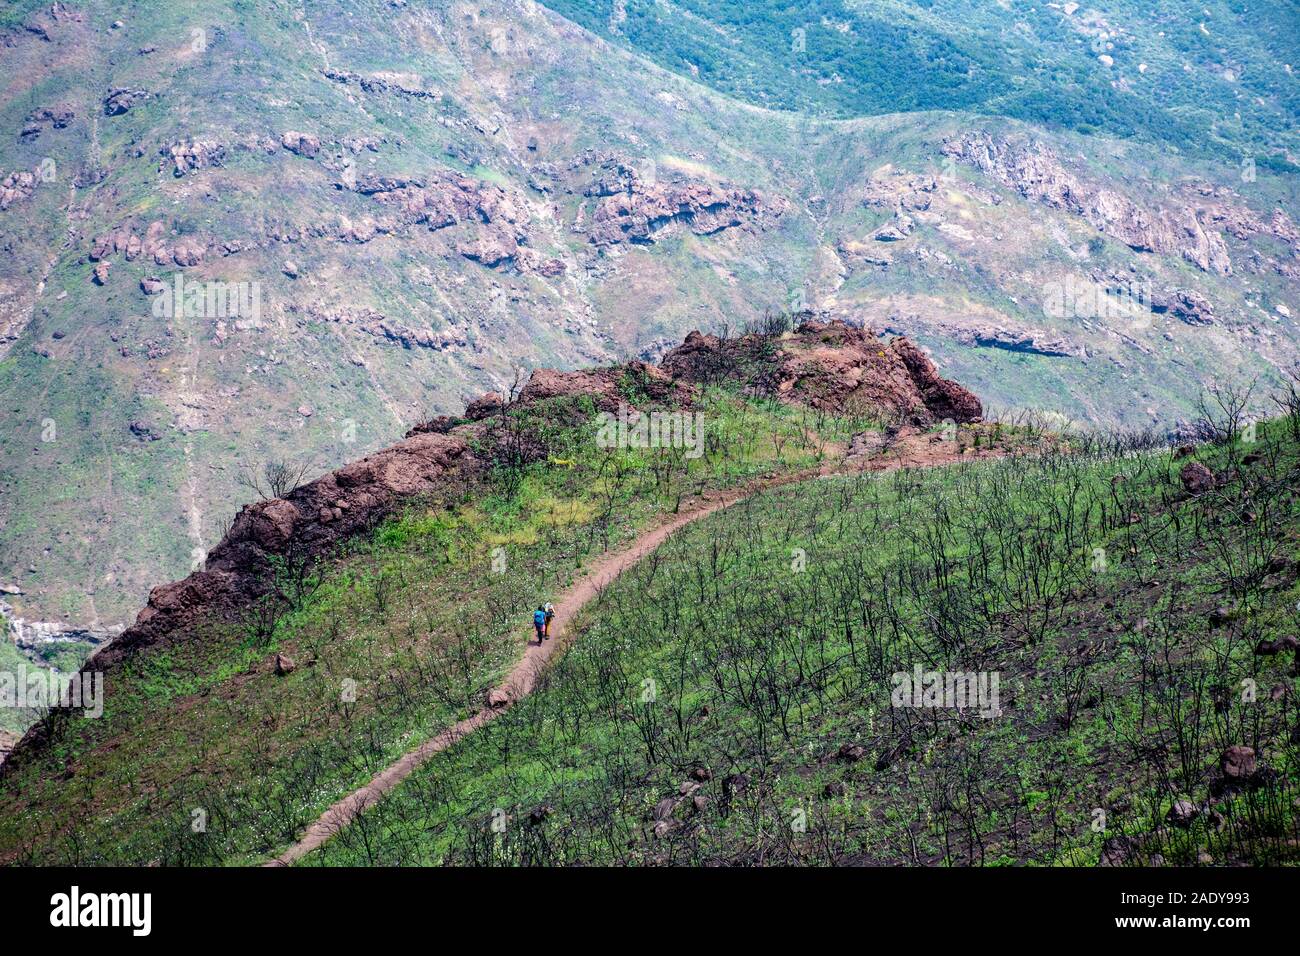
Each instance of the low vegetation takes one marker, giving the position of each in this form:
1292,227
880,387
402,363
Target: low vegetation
247,728
730,700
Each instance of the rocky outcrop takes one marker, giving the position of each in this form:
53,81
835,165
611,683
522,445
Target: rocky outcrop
497,220
303,144
127,242
55,117
28,635
830,365
197,154
1034,171
900,227
607,387
1184,304
378,325
383,83
630,209
1031,341
123,100
894,189
16,187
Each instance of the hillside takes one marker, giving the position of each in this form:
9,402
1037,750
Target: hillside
743,694
334,627
397,204
769,689
1167,74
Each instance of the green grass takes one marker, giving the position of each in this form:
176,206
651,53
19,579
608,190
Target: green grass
420,617
831,57
1117,693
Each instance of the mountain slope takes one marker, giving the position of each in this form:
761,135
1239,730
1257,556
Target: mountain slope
364,612
1069,658
425,196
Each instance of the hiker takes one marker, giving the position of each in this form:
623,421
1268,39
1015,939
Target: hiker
549,608
539,622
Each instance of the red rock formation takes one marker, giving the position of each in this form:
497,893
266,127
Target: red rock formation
832,366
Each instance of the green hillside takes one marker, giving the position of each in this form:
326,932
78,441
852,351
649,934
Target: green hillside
422,616
1175,74
723,704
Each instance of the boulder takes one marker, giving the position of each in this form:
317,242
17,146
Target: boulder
664,808
484,406
1267,648
1237,763
303,144
850,753
1196,478
1118,851
1182,813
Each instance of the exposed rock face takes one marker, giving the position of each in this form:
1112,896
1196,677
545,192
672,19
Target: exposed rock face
833,366
300,527
198,154
1184,304
1033,341
629,209
304,144
1035,172
16,187
119,101
943,398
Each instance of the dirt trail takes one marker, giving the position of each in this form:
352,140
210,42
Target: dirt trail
519,683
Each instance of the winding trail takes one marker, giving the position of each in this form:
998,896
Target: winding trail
521,680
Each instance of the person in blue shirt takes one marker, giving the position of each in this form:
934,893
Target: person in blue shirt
539,622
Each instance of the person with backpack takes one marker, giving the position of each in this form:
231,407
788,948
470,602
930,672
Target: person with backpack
549,608
539,622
